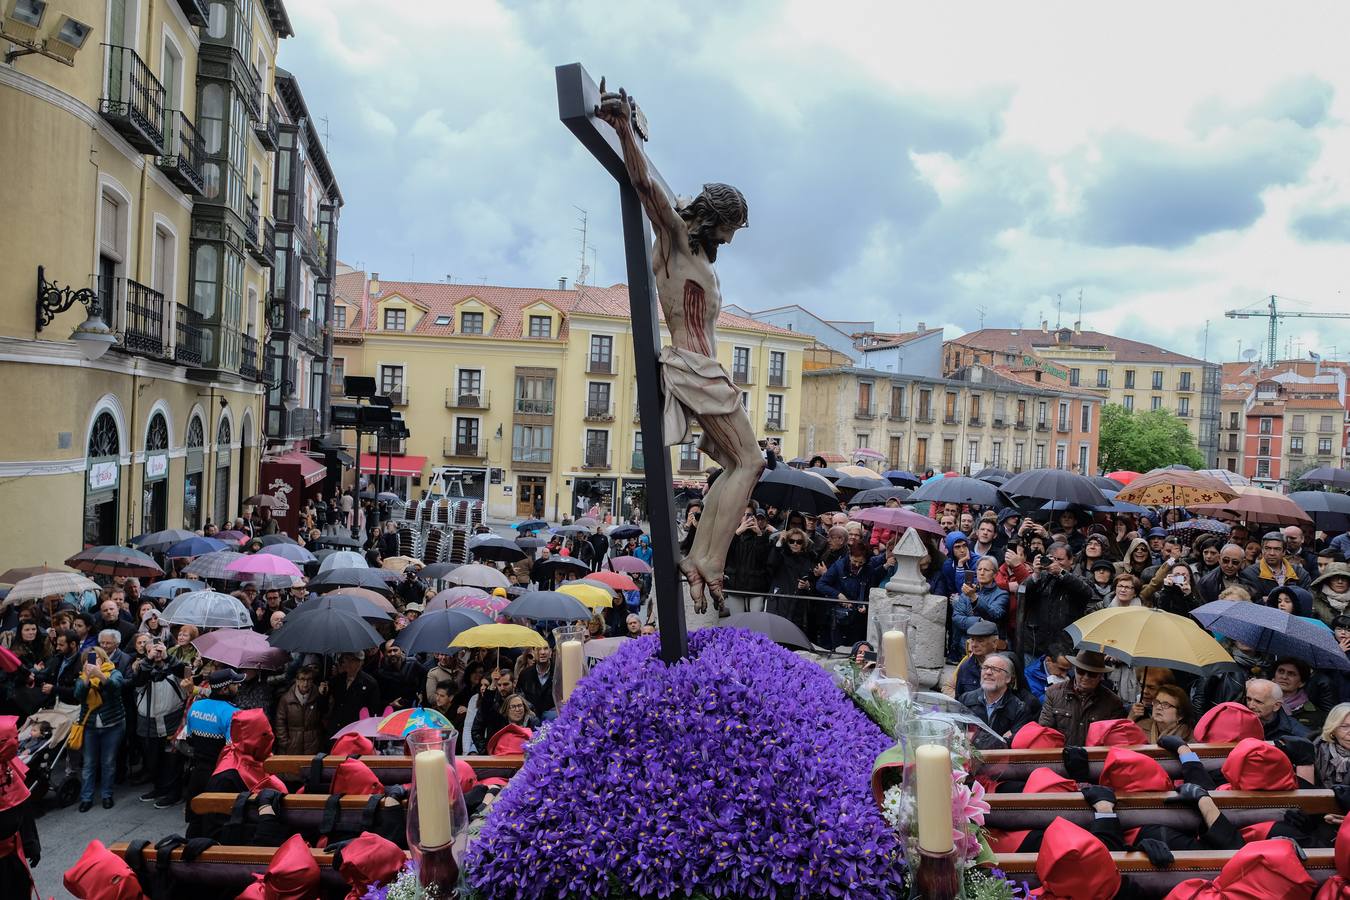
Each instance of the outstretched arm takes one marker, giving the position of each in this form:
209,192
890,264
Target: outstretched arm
617,110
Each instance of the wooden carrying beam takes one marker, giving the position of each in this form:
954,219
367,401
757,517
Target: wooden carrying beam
228,870
389,769
1154,882
1016,765
1035,811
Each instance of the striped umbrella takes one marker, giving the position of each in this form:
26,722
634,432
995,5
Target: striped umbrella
49,584
213,565
114,560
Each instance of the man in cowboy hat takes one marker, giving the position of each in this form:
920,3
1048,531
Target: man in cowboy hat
1074,705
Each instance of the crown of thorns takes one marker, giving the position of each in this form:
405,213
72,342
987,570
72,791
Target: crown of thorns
727,204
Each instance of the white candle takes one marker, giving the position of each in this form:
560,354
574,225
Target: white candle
433,798
895,654
933,772
571,666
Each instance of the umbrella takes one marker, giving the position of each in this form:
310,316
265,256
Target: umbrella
880,495
241,648
489,606
867,453
1194,528
624,532
434,632
388,497
294,552
19,573
194,547
547,605
400,723
437,571
630,564
901,478
547,569
1124,476
155,541
266,500
1273,631
477,575
797,489
334,540
861,472
1115,505
1142,636
343,559
367,727
165,590
530,525
262,564
113,560
379,601
1106,484
1173,487
1055,484
207,609
587,522
399,564
357,606
897,519
1326,475
235,537
530,543
603,648
572,530
589,581
371,579
592,595
270,540
959,490
829,474
489,546
616,580
856,483
51,584
776,628
993,472
1266,507
1329,511
213,565
334,632
1232,479
500,636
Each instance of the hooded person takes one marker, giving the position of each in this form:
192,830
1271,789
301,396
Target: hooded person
1227,723
1073,864
1331,591
509,739
1034,736
352,744
1045,780
352,776
241,769
1138,557
1264,870
19,844
99,874
1115,733
293,874
1337,887
1255,765
1128,771
367,861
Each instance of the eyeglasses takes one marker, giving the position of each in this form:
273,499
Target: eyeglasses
1159,704
1083,673
999,669
1234,560
796,543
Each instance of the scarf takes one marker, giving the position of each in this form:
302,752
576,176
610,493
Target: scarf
1294,702
1268,575
1337,600
1332,764
94,699
1252,662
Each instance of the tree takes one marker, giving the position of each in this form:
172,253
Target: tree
1140,441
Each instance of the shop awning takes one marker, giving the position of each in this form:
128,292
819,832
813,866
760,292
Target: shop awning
311,470
407,466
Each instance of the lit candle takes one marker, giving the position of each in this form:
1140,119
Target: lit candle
933,772
895,654
433,798
570,652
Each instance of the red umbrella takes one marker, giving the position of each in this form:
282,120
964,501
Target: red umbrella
897,519
616,580
1124,476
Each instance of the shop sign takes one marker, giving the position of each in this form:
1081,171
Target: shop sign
280,490
156,467
103,475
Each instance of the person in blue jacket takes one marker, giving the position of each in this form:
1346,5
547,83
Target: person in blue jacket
957,569
850,580
978,599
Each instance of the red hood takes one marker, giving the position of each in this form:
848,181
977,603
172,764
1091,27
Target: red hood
1033,736
1265,870
100,874
509,739
367,861
250,745
13,790
1127,771
353,745
468,778
1074,865
1045,780
355,777
1255,765
1001,841
1115,733
1338,886
291,875
1227,723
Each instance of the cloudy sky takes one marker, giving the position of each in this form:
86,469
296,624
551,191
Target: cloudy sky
903,162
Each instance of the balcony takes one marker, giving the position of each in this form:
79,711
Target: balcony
776,422
778,379
1020,425
598,411
133,100
743,374
999,422
596,458
265,254
1062,425
308,331
925,417
303,423
950,418
465,400
1184,413
182,157
306,241
865,411
898,414
187,345
460,449
532,456
398,396
143,325
639,462
976,422
249,359
251,236
265,126
196,11
690,465
530,406
595,366
252,93
1042,426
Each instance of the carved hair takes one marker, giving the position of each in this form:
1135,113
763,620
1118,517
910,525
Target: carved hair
718,204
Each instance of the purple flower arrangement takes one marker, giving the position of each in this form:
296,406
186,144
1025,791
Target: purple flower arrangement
743,771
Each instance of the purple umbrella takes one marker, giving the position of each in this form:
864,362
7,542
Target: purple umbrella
367,727
241,649
629,564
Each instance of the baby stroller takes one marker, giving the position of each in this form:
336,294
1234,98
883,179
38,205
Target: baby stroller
42,747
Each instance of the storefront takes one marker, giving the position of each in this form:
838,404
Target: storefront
155,478
103,480
458,483
194,461
396,473
220,491
289,479
633,502
593,497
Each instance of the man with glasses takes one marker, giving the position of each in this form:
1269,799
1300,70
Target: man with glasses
1074,705
1266,699
1273,569
996,702
1228,573
982,640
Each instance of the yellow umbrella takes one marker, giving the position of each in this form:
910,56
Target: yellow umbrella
1175,487
1145,637
500,636
592,595
861,472
399,563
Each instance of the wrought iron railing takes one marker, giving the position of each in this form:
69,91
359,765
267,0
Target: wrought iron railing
143,328
133,99
249,366
187,345
183,152
251,222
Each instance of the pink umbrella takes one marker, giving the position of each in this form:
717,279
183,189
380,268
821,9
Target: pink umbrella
446,598
241,648
629,564
235,536
367,727
490,606
263,564
897,519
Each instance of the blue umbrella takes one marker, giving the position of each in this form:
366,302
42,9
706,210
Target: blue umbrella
531,525
901,478
194,547
1273,631
168,588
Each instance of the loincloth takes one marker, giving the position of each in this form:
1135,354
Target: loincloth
695,385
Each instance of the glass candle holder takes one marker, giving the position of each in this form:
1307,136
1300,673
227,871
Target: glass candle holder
893,656
936,863
569,661
438,820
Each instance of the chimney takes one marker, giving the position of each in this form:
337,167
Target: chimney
374,284
1045,326
562,283
922,328
1078,326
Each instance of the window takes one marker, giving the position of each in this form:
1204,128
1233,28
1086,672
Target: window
1155,403
948,453
597,448
1129,379
1296,444
1073,378
777,368
1157,379
1263,468
395,319
1323,446
340,318
1000,408
896,443
1082,459
1040,414
597,400
1263,447
534,395
745,400
898,402
1086,424
338,370
864,398
1103,378
1265,425
1019,455
1184,406
773,411
470,385
1184,381
1129,402
443,320
925,404
972,454
471,323
1021,412
1061,451
1298,424
532,444
222,487
1040,456
740,365
1063,415
602,353
541,326
996,454
1324,423
689,455
1232,464
974,408
949,410
466,436
391,381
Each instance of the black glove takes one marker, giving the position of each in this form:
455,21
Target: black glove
270,797
33,859
1095,793
1157,852
1076,763
1299,750
397,792
1301,821
1171,743
1187,793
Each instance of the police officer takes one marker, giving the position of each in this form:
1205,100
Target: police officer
208,729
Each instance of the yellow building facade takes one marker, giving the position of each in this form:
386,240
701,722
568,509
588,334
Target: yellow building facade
111,170
527,398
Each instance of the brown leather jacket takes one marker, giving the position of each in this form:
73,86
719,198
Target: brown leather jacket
299,725
1070,712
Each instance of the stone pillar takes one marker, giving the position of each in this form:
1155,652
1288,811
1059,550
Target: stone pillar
924,615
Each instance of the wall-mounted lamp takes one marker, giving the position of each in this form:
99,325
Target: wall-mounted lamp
92,336
20,27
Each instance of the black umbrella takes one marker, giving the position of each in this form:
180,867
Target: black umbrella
112,559
857,483
433,632
548,605
776,628
530,525
1327,475
1055,484
530,543
959,490
156,541
268,540
499,549
1329,511
624,532
901,478
880,495
357,606
993,472
827,472
336,631
571,530
334,541
1106,484
802,490
374,579
545,570
438,570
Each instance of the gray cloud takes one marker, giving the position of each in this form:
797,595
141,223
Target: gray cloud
1305,101
1323,224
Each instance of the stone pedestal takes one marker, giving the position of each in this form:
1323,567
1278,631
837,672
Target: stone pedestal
923,615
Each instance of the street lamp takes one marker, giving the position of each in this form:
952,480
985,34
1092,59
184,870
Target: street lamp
93,337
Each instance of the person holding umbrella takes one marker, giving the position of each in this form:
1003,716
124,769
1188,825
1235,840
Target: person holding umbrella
1074,705
1273,569
159,712
350,690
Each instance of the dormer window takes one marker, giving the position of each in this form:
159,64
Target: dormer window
471,323
541,326
395,319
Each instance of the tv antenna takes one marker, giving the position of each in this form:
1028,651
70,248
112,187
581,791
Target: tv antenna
583,270
981,310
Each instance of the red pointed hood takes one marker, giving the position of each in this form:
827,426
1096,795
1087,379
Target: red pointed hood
1074,865
509,739
1128,771
100,874
1001,841
1045,780
292,874
1255,765
1265,870
369,860
468,778
351,744
250,745
1338,886
1227,723
1115,733
13,789
1032,736
355,777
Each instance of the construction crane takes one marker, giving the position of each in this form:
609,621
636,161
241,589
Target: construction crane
1274,314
